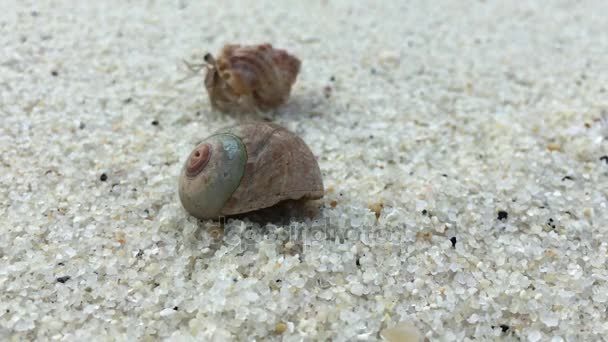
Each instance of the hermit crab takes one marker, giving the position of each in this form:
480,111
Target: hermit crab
250,78
248,167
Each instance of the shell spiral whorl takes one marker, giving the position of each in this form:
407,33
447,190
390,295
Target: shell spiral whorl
198,160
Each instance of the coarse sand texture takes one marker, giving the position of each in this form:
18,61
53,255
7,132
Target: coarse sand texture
463,147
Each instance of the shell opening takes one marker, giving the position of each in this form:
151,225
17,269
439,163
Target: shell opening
198,160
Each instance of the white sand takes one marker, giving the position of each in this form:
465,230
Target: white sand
456,108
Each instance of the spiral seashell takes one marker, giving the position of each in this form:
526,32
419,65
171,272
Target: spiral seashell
250,78
248,167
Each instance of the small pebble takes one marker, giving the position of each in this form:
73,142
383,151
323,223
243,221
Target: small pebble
63,279
503,327
376,208
280,328
327,91
389,58
553,147
402,332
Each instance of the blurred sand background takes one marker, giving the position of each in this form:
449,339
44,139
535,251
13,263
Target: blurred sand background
431,120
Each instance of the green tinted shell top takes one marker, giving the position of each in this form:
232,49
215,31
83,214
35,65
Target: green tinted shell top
245,168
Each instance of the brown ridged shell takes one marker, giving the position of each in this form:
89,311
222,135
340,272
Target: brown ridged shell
250,78
278,166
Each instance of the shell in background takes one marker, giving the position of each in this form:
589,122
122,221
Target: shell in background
250,78
248,167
